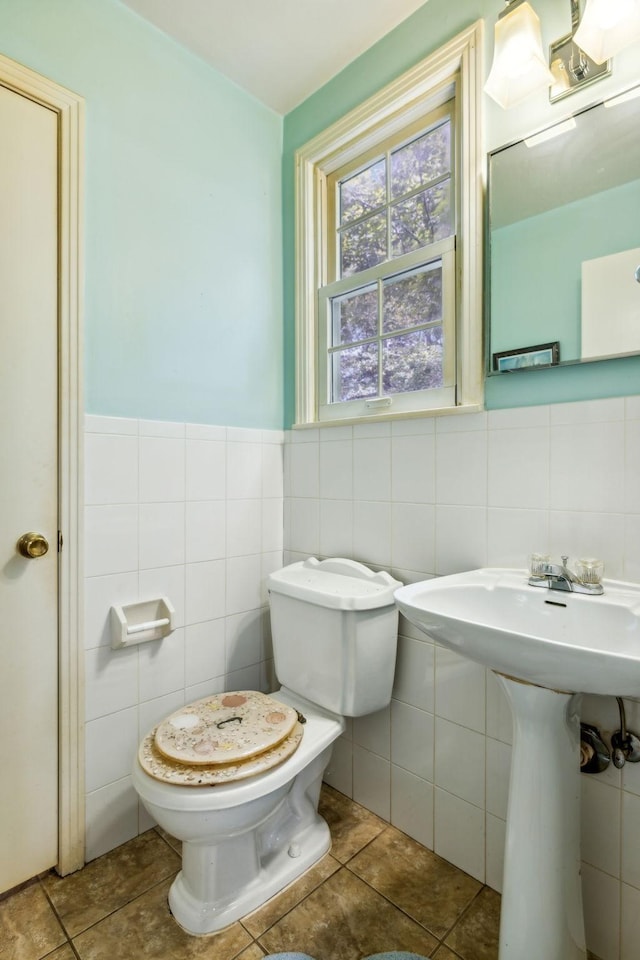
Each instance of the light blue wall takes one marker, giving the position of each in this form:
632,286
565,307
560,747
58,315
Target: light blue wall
185,213
183,316
431,26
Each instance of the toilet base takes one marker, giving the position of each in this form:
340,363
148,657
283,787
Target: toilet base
226,876
244,842
199,918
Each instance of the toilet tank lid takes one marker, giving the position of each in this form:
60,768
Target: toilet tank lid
339,583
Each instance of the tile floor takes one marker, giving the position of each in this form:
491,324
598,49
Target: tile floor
376,890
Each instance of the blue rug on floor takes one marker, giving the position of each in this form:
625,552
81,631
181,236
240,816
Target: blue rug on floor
390,955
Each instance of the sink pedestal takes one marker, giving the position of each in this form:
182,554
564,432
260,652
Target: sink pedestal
555,640
542,917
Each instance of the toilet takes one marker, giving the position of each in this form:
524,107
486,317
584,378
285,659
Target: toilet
236,776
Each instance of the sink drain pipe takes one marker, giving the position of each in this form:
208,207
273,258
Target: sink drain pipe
624,743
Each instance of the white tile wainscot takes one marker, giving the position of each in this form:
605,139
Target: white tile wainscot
439,495
195,512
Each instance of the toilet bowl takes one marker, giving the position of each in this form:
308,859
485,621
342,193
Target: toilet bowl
244,841
334,626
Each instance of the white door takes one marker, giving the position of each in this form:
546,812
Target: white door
28,488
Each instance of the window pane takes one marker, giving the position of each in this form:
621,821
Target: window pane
413,361
363,193
355,316
363,245
421,161
413,298
422,219
355,373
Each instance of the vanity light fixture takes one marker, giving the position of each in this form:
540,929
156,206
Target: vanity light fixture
607,27
520,66
571,66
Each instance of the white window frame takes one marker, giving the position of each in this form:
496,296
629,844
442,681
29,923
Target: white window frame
399,104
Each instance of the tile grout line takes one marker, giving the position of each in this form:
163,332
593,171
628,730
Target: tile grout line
256,941
124,906
462,916
440,943
54,911
111,913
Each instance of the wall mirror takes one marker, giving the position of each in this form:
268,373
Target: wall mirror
563,269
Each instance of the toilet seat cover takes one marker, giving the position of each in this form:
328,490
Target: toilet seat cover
199,775
224,729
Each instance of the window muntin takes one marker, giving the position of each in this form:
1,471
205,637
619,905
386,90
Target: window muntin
387,321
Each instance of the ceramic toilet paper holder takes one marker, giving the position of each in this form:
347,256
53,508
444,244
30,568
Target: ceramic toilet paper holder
139,622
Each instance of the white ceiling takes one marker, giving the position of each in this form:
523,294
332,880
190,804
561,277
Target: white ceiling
280,51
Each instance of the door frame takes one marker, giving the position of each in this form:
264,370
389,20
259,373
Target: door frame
71,762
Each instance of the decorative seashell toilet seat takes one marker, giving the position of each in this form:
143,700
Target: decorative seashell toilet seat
222,738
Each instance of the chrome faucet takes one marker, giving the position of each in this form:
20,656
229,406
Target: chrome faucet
557,576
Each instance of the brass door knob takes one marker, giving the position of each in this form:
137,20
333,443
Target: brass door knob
32,545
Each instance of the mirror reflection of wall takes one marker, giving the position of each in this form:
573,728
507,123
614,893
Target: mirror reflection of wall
557,203
611,305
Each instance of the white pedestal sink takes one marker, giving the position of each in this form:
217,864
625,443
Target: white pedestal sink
546,646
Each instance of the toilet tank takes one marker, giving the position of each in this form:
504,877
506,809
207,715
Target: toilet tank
334,625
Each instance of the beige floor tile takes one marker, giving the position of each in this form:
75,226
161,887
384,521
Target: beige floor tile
28,926
254,952
65,952
344,919
392,894
426,887
175,844
273,910
145,930
111,881
475,937
352,826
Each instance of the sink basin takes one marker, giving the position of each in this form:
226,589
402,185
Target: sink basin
562,641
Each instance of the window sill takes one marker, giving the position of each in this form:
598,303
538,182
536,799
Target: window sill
383,417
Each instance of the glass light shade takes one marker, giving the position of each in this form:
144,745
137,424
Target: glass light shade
561,82
519,64
607,27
